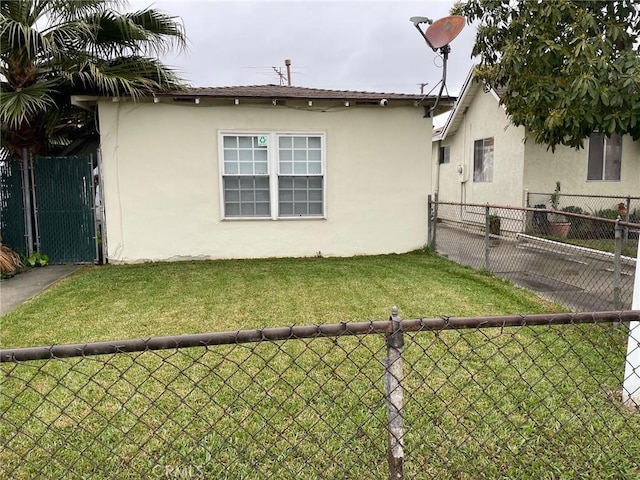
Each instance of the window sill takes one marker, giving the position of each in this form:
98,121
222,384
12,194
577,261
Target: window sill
270,219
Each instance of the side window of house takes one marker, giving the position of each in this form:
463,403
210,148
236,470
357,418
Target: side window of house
300,176
245,177
483,160
444,154
272,175
605,157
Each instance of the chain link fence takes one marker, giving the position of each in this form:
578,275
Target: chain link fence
603,206
538,396
584,262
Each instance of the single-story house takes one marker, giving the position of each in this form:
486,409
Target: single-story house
481,157
263,171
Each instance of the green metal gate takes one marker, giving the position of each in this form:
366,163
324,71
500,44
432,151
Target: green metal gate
63,205
11,205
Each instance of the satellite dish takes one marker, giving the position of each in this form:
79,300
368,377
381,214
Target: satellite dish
439,35
442,32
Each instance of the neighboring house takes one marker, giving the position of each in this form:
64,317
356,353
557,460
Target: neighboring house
263,171
481,157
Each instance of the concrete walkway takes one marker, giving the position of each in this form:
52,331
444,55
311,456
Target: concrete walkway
18,289
580,279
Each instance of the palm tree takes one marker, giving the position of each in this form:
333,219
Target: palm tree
52,49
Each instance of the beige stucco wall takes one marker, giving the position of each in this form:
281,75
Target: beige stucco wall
484,118
162,183
569,166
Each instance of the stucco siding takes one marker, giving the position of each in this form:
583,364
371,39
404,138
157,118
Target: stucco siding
484,119
569,166
162,182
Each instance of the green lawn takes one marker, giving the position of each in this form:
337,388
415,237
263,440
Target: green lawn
495,403
117,302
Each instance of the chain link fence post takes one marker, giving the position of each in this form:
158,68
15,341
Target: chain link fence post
394,397
487,239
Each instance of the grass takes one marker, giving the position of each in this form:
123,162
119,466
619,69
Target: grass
116,302
495,403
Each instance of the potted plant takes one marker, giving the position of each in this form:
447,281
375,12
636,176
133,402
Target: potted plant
494,224
558,224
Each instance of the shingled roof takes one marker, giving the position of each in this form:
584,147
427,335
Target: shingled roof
286,92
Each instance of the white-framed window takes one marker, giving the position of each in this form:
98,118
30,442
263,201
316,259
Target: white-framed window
483,160
272,175
445,154
605,157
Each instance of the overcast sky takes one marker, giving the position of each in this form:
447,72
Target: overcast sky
345,45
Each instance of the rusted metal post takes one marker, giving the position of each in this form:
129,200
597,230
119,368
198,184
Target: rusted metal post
394,397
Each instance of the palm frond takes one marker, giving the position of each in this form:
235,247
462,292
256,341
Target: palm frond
133,76
19,107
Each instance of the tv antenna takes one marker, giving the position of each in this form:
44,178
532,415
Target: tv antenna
439,35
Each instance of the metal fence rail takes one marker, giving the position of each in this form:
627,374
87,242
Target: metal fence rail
586,263
604,206
520,396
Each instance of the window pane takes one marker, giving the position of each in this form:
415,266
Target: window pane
286,155
232,209
285,142
262,196
286,168
261,168
245,155
315,209
230,155
247,209
314,142
483,160
300,142
245,142
260,155
300,168
315,155
262,182
315,167
300,155
230,142
232,195
262,209
596,157
230,168
315,182
613,157
246,196
286,209
300,196
246,168
315,195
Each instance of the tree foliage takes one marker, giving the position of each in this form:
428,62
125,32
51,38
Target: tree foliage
52,49
567,67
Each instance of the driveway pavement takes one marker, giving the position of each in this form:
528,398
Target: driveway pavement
18,289
581,279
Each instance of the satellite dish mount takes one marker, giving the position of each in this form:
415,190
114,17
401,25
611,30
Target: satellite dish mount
438,35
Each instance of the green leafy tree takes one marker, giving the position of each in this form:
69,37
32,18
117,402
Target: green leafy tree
568,67
52,49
